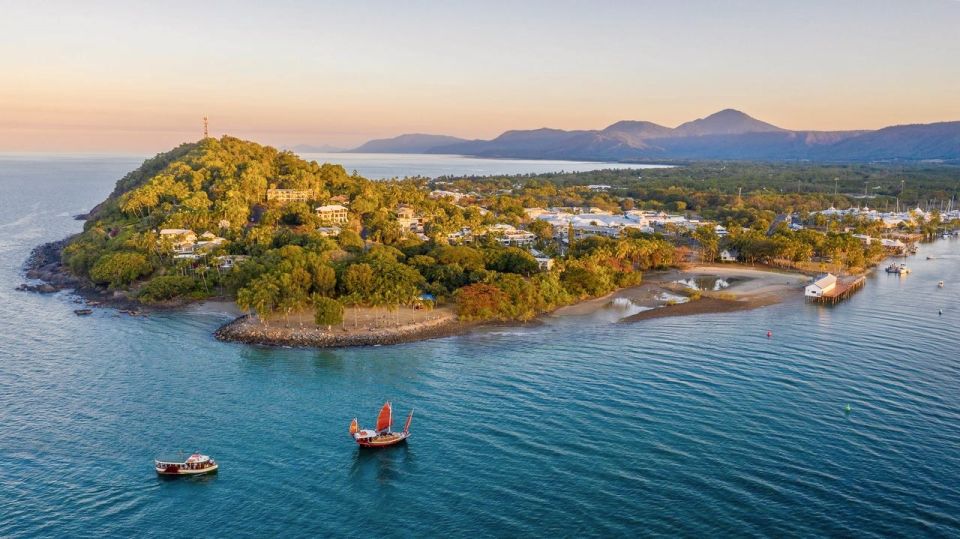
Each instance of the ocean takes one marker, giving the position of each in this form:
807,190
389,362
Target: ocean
393,165
695,426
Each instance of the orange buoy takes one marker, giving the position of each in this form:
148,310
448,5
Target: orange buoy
769,334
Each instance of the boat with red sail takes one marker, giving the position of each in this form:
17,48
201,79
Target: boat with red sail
382,436
195,464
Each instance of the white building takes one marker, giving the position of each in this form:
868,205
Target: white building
729,255
333,213
409,220
823,285
228,262
289,195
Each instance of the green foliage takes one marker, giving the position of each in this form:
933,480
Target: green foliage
119,269
512,260
479,302
327,311
350,241
166,287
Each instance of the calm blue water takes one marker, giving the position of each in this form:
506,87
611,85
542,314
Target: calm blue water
387,165
696,426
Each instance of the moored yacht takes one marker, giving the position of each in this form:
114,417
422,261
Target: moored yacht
901,269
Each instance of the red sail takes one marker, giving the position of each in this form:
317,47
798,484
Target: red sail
406,427
354,427
385,419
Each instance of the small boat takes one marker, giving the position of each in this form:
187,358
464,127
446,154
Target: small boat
82,312
940,284
381,436
901,269
196,464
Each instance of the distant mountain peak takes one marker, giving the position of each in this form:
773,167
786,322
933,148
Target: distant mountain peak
727,134
725,122
407,143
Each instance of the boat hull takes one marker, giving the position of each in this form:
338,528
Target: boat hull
383,441
176,472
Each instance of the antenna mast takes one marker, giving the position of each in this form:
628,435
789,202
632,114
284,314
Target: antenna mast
206,132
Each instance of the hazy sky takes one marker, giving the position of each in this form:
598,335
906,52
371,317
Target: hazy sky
138,76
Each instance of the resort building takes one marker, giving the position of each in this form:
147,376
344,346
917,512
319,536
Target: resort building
181,240
464,235
821,286
511,236
333,213
289,195
409,220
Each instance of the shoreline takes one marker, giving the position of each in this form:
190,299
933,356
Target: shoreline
248,330
728,288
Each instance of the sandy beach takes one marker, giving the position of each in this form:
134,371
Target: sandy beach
698,290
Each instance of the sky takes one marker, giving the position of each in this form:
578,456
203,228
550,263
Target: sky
130,76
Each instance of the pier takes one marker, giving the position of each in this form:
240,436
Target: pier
841,291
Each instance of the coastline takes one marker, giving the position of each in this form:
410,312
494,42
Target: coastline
702,289
248,329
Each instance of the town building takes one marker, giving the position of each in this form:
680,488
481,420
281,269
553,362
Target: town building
409,220
284,196
333,213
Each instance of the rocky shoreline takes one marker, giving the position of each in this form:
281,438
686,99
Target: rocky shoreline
45,267
246,329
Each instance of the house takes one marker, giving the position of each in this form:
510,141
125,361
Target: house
182,240
729,255
464,235
721,231
439,193
333,213
178,234
409,220
329,231
598,187
821,286
228,262
510,235
284,196
545,263
518,238
209,241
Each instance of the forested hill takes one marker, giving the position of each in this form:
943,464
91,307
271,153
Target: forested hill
279,234
201,184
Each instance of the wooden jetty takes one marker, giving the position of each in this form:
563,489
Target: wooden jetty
841,291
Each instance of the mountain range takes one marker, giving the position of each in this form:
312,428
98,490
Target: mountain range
728,134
